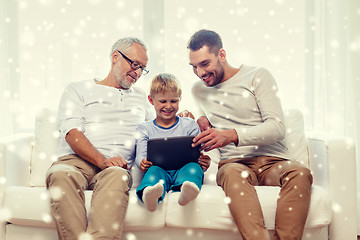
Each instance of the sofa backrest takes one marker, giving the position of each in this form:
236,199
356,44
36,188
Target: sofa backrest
46,138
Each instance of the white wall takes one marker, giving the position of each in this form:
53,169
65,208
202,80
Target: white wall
63,41
254,32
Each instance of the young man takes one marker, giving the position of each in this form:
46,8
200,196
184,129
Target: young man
242,116
165,95
97,121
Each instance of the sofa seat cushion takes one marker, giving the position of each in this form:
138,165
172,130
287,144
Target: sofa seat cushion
210,210
30,206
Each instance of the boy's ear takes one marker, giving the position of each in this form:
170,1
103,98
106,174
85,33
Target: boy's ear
150,100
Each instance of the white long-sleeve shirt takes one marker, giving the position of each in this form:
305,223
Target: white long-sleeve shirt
107,116
247,102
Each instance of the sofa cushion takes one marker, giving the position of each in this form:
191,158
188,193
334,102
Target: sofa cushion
30,206
44,146
197,215
295,138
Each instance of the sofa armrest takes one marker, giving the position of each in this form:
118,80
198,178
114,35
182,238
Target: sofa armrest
15,157
333,165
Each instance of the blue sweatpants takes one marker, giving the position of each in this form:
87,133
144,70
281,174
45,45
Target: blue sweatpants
172,180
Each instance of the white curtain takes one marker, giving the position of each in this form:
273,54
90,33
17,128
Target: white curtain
333,70
7,69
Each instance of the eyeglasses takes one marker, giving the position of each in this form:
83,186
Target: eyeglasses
134,65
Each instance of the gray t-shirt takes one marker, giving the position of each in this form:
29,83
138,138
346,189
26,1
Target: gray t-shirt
182,127
249,103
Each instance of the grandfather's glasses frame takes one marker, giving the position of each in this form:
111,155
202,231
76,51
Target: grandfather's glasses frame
134,65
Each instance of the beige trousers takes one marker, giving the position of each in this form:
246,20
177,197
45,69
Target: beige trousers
66,181
239,176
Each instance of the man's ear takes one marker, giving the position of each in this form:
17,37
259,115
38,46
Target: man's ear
222,55
115,57
150,100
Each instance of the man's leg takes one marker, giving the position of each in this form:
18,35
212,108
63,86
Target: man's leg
66,183
109,203
238,182
294,199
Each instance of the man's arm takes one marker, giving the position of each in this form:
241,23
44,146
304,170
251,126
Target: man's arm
271,130
83,147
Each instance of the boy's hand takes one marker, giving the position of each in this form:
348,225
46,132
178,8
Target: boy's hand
144,165
204,161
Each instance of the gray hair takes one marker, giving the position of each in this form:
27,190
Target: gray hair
125,43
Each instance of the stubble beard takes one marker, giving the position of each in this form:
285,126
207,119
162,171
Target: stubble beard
218,75
121,80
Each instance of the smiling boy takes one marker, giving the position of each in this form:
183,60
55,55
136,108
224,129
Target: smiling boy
165,95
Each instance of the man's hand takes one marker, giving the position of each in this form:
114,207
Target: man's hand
203,123
186,113
204,161
145,165
214,138
116,161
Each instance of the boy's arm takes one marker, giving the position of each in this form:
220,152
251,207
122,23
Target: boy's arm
141,144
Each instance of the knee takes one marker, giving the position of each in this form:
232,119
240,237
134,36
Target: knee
235,172
116,174
155,169
193,169
61,173
300,174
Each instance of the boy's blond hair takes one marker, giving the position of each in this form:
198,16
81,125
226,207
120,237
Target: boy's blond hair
165,82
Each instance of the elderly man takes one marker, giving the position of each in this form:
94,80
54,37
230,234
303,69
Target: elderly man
97,122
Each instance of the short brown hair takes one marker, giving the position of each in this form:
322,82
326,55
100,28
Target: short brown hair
165,82
205,37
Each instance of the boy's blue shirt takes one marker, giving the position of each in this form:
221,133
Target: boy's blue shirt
182,127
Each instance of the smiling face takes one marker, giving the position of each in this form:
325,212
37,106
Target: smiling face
207,65
166,105
124,75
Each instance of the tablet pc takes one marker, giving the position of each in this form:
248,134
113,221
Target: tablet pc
172,153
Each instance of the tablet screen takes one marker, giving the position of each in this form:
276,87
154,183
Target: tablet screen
172,153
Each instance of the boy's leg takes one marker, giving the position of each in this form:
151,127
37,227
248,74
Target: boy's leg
153,176
109,203
151,196
66,181
191,172
189,180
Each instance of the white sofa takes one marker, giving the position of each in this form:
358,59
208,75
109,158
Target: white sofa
25,211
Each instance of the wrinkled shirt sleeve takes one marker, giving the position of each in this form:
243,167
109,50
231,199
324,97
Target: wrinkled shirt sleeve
71,111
